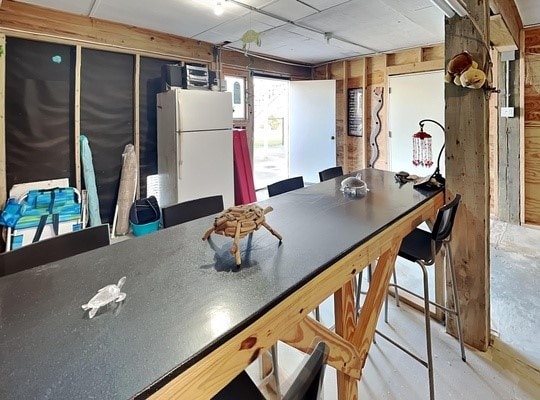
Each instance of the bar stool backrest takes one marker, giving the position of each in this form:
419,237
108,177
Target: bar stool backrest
54,249
286,185
445,222
308,384
190,210
329,173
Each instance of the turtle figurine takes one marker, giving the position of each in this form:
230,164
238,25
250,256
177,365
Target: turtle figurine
238,222
105,296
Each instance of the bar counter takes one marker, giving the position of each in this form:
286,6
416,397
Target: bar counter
192,320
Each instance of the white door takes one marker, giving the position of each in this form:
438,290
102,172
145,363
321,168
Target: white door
312,128
414,97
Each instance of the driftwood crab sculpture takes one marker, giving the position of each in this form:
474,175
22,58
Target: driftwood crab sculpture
238,222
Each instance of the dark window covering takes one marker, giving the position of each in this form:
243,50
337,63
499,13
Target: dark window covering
107,118
39,111
149,87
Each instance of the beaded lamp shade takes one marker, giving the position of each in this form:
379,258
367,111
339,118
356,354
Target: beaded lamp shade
422,154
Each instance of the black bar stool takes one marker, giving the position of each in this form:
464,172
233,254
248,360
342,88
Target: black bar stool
421,247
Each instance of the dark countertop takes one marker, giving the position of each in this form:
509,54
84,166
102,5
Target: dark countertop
184,295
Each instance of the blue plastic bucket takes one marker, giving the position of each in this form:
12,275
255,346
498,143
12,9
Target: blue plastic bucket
144,229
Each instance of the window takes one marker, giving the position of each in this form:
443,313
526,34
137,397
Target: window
237,86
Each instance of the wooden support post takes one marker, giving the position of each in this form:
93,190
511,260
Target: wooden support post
3,184
77,118
467,173
509,181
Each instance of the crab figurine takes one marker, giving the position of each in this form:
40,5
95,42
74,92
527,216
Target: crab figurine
238,222
104,296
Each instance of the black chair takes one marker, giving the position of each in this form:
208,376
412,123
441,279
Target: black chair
307,385
285,185
330,173
54,249
421,247
190,210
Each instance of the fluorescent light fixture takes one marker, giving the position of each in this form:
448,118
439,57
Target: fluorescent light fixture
445,8
451,7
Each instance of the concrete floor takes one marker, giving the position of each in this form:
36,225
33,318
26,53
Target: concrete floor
510,369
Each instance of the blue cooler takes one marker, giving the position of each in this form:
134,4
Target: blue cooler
144,216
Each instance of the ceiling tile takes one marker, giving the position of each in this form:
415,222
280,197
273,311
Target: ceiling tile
81,7
529,11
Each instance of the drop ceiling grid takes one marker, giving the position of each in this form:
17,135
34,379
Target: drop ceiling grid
168,16
291,10
232,29
80,7
282,43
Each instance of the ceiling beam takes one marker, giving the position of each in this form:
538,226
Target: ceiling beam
499,34
510,15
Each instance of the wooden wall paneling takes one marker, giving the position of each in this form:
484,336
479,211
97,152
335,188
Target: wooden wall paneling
466,120
3,188
493,141
363,161
522,114
376,77
344,136
19,19
238,60
530,123
532,175
433,53
405,57
532,73
341,119
425,66
522,125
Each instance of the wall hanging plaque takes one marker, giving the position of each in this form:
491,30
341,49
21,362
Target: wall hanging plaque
355,102
355,112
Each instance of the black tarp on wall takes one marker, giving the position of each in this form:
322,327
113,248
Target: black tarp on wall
39,111
107,118
149,87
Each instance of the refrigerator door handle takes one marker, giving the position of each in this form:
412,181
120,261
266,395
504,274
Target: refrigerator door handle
179,149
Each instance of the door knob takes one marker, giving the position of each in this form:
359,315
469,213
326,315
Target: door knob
332,137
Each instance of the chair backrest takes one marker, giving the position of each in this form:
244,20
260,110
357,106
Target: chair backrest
308,384
445,221
330,173
285,185
54,249
190,210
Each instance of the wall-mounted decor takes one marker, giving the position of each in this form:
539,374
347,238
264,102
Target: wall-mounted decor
377,103
355,112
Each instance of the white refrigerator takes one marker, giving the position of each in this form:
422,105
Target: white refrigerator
195,146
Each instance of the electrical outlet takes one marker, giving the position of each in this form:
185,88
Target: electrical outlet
507,112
